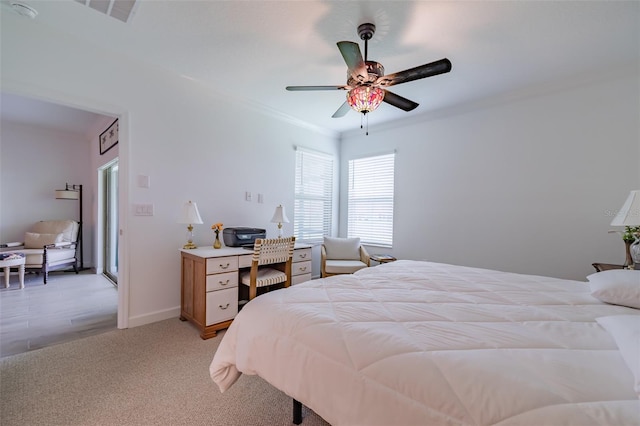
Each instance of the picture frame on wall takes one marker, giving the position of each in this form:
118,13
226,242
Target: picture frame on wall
109,138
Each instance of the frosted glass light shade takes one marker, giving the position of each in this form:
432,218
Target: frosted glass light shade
629,214
190,214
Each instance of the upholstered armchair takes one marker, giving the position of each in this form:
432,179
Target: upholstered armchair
49,245
342,256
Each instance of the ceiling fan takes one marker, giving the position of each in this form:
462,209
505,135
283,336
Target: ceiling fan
366,82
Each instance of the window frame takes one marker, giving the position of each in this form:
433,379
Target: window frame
370,208
309,227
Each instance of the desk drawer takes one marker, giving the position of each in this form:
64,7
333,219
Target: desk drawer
300,268
222,305
222,281
301,255
245,261
297,279
216,265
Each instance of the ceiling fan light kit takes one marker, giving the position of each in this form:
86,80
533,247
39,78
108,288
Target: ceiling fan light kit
366,81
365,99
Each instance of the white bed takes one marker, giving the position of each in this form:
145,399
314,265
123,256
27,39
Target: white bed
419,343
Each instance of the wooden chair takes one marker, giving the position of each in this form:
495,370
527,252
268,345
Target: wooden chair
276,252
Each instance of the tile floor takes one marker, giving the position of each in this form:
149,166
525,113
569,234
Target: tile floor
69,307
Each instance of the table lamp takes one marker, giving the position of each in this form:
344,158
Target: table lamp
190,215
629,215
279,217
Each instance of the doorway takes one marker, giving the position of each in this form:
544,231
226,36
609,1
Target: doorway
110,221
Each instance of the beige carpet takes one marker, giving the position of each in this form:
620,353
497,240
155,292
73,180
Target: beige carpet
156,374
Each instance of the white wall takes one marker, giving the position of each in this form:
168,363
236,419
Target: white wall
191,143
522,185
34,162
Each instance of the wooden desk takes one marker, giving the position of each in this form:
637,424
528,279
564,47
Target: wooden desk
210,279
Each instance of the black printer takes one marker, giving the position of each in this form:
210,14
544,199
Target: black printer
242,237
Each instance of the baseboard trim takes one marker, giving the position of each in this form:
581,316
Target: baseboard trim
152,317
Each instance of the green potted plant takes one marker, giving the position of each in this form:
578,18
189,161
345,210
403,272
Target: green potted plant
630,233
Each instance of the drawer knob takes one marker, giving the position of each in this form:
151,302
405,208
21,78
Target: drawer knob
224,266
223,283
303,255
304,268
223,307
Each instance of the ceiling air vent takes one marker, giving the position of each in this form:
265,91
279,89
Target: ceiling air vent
122,10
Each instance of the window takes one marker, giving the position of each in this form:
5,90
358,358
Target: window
370,208
313,197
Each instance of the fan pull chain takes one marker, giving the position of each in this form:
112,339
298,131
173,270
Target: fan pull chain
367,124
364,122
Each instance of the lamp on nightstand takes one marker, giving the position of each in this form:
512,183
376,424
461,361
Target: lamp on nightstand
279,217
190,215
629,215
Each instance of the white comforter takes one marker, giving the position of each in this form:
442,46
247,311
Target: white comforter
417,343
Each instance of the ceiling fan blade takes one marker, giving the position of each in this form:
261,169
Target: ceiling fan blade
301,88
342,111
353,58
428,70
398,101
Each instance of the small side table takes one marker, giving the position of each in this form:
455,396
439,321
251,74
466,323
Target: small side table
7,260
382,258
606,266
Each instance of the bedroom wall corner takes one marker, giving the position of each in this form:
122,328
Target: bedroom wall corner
522,186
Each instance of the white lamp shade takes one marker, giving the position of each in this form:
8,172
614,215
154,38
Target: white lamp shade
629,214
190,214
65,194
280,216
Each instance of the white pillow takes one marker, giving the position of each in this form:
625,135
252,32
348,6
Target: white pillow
625,330
342,248
616,286
38,241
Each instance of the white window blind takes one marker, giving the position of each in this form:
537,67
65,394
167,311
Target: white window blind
370,209
313,197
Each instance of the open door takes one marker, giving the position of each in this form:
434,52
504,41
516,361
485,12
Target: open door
110,221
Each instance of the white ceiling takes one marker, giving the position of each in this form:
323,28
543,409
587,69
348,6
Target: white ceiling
252,49
29,111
